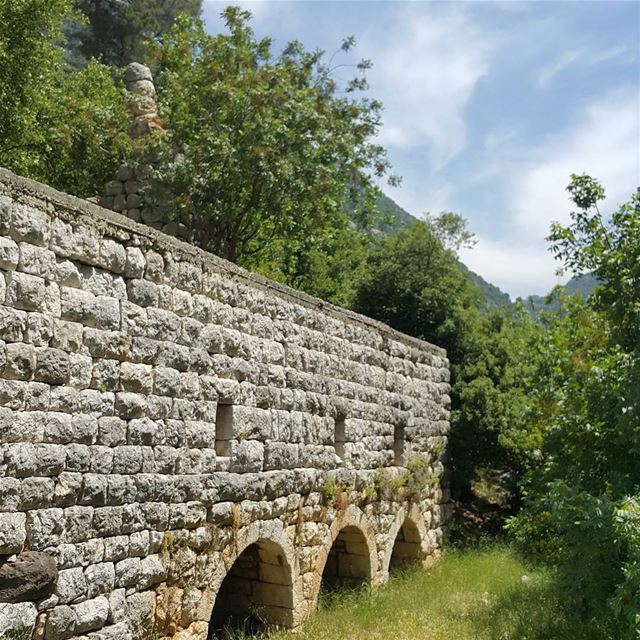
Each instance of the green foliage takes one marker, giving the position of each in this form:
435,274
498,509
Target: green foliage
328,490
582,506
263,149
415,284
65,129
117,32
485,593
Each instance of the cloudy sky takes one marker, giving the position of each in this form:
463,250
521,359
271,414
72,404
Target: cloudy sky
489,107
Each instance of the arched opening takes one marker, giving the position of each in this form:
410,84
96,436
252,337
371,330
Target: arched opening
348,564
257,592
406,548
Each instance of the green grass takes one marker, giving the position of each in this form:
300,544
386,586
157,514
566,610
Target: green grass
481,594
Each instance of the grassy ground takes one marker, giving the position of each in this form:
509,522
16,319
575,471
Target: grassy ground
486,594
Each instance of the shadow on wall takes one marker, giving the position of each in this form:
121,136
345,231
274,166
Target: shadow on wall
407,549
348,564
257,592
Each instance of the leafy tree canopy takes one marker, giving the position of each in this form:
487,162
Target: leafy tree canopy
117,32
583,506
262,149
66,129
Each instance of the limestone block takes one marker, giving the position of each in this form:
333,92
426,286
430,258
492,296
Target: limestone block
44,527
37,261
17,620
115,345
112,431
121,489
162,324
67,488
12,324
281,455
135,263
67,273
67,335
29,225
100,578
39,329
91,614
36,493
155,267
94,486
20,361
128,572
133,319
12,532
52,366
144,431
113,256
101,459
25,291
200,434
103,283
136,377
9,254
9,494
143,292
60,623
20,460
127,459
105,375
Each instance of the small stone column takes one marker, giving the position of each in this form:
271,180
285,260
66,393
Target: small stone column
124,194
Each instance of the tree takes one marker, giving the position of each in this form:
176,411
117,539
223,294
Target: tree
583,506
415,284
262,149
117,32
66,129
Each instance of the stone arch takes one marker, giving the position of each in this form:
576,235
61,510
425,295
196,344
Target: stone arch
407,541
355,536
256,580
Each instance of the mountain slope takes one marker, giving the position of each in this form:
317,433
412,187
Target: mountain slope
397,218
583,284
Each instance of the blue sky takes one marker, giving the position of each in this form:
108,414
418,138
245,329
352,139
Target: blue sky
489,107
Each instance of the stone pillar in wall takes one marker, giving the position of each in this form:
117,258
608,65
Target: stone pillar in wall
124,194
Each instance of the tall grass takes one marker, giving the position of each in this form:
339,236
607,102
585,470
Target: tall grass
479,594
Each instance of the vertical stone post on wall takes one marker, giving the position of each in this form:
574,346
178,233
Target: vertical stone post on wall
124,194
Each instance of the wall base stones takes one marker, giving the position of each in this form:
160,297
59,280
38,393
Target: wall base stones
182,441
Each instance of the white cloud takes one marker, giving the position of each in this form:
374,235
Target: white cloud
427,63
583,58
521,269
604,143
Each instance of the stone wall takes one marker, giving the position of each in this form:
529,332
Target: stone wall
182,441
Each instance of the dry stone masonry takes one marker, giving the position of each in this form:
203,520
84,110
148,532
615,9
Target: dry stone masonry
183,443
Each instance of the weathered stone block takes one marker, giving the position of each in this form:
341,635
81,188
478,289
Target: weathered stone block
36,493
60,624
9,254
20,361
17,620
52,366
37,261
136,377
25,291
91,614
12,532
12,324
30,225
